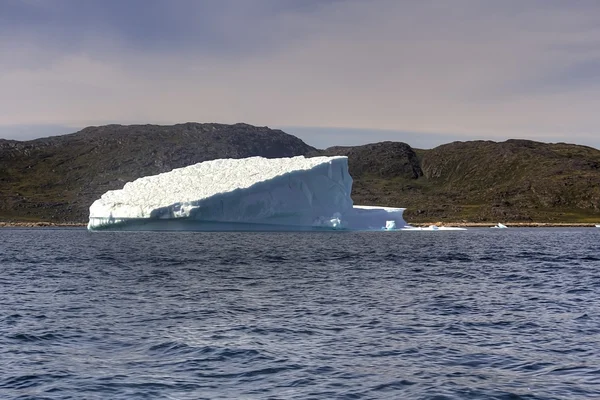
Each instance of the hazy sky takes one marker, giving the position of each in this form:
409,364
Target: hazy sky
329,71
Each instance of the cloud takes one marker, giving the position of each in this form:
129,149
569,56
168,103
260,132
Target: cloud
472,68
222,28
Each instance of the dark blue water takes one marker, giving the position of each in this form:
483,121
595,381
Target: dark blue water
481,314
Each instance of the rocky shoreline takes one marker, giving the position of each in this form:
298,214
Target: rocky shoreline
46,224
40,224
511,224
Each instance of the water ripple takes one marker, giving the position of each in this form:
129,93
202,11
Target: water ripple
480,314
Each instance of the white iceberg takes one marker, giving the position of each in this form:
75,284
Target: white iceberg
254,193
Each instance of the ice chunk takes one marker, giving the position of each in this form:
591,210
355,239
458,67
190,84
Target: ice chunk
433,228
255,193
295,192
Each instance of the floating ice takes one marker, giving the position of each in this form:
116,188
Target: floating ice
255,193
433,228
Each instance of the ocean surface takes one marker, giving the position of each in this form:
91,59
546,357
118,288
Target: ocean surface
479,314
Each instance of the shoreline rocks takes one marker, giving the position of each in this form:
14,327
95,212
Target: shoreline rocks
40,224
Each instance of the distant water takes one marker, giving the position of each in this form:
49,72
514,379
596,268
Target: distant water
481,314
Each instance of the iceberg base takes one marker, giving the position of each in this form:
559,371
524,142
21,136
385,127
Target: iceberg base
358,218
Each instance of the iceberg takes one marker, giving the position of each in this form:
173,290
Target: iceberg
254,193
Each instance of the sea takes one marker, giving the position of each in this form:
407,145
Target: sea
477,314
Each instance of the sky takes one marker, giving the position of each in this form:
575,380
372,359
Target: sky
332,72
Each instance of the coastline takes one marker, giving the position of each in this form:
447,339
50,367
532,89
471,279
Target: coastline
511,224
47,224
41,224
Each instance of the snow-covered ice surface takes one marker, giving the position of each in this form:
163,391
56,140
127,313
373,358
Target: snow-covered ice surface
254,193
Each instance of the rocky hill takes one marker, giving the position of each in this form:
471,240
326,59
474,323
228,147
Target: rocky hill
57,178
516,180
